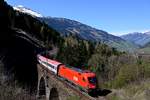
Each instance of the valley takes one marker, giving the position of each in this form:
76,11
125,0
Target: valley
121,64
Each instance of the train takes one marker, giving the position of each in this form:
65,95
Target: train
84,79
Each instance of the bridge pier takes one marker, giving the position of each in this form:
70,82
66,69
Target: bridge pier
54,95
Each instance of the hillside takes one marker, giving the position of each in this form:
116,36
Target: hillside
18,53
145,49
126,75
67,27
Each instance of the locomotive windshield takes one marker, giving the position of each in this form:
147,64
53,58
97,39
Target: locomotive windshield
92,80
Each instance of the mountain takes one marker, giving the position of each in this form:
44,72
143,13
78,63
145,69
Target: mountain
140,39
83,31
27,11
66,27
148,32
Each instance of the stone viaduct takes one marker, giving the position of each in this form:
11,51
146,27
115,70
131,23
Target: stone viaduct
52,88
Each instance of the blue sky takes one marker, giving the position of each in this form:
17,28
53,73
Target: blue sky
114,16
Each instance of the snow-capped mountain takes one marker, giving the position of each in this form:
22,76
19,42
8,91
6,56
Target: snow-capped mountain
148,32
138,38
83,31
27,11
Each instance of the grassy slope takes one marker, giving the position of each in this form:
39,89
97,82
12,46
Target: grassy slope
124,46
134,91
144,50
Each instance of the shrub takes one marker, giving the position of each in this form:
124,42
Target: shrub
127,73
146,68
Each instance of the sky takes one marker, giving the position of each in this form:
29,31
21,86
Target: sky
117,17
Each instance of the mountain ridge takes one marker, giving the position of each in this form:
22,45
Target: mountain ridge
67,27
138,38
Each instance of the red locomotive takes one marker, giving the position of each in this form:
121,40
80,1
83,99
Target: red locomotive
86,80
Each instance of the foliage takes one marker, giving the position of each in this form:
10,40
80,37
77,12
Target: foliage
132,91
12,46
13,19
74,52
114,69
134,70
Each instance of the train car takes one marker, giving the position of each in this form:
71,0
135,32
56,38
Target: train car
86,80
52,65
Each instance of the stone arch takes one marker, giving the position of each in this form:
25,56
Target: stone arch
54,94
42,88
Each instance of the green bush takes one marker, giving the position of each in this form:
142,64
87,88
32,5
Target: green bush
126,74
146,70
129,73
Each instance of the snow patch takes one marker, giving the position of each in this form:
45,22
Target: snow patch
27,11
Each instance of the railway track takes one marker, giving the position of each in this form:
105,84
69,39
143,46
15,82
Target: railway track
77,90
